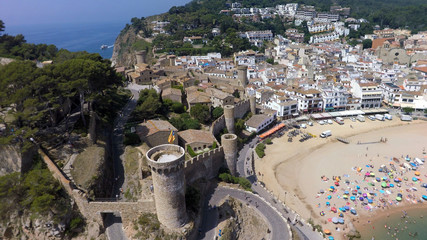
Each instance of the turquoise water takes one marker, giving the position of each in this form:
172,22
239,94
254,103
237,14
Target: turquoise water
74,37
415,223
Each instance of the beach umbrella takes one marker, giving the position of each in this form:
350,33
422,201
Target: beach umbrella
337,179
328,204
383,184
341,220
358,187
347,181
335,220
352,198
417,173
370,201
329,196
347,208
341,215
345,196
396,180
378,179
391,185
322,213
371,184
346,192
384,178
405,178
414,179
332,187
334,209
329,219
342,209
424,197
327,232
331,238
337,184
322,191
367,174
365,195
372,174
353,211
398,198
361,198
359,169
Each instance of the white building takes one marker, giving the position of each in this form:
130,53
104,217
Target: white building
391,93
258,122
324,37
285,107
258,37
334,98
369,93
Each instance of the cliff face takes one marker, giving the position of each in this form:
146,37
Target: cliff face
127,43
123,53
13,160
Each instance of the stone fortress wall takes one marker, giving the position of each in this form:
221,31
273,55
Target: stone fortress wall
240,109
92,210
205,165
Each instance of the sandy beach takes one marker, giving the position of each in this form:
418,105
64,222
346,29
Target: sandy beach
294,170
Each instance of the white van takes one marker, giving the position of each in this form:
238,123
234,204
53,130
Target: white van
326,134
360,118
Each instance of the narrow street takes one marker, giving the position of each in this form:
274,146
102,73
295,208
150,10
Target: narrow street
113,223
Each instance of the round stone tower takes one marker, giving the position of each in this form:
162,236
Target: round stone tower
242,74
229,144
229,117
141,57
252,103
167,168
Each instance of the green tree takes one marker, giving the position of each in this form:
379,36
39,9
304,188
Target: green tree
408,110
240,125
367,43
259,149
191,151
201,113
1,26
217,112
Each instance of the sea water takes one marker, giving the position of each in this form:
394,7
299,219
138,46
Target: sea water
413,226
73,37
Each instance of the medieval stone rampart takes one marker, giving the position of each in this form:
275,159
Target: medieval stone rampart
205,165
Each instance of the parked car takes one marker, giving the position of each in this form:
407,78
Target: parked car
321,122
372,118
330,121
310,123
353,119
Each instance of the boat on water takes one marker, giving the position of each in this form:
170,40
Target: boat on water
104,47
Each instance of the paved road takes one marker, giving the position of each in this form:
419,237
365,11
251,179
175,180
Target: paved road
114,227
276,223
113,223
245,167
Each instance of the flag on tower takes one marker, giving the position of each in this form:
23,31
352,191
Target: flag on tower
171,138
